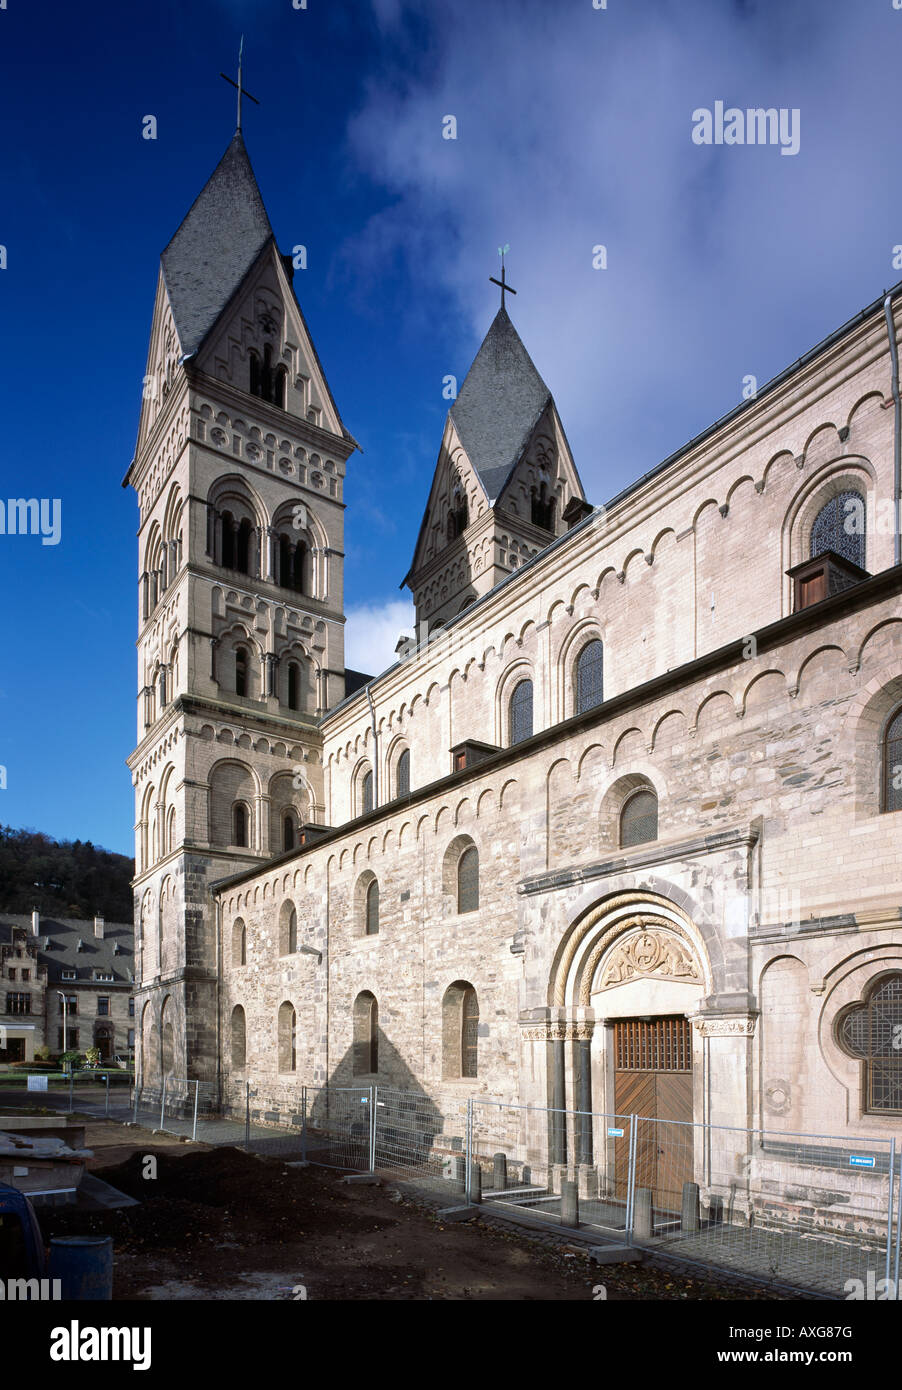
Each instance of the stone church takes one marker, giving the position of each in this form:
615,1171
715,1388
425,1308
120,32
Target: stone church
618,832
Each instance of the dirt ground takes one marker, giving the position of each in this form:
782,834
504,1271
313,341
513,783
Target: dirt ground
224,1224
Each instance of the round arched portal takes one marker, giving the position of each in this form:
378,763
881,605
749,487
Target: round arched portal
627,977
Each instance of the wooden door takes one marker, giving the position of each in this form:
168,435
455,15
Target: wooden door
653,1080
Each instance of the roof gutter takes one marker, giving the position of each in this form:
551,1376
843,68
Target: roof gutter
897,431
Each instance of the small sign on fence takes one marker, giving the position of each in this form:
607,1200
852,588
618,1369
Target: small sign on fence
861,1161
615,1133
37,1083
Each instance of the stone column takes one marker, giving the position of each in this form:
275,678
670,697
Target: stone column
583,1086
263,822
558,1094
269,563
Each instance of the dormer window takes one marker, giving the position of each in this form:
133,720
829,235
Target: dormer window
542,507
267,379
459,513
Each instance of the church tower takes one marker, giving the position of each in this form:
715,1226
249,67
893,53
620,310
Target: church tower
505,483
239,472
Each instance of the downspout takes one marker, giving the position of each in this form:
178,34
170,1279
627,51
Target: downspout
897,434
375,748
218,1000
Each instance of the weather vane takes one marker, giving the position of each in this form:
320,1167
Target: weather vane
241,90
505,287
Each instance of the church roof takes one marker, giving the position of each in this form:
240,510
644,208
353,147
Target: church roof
222,235
499,404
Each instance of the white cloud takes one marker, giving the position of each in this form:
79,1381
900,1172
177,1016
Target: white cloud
372,632
574,129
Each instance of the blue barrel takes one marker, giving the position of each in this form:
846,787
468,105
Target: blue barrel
84,1266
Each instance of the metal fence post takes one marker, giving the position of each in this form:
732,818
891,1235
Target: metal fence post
247,1116
374,1092
136,1101
631,1180
469,1149
898,1233
889,1204
304,1124
71,1084
194,1126
107,1098
163,1104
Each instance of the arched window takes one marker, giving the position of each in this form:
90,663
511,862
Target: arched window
294,685
170,830
542,508
241,670
288,1038
366,1035
279,379
521,712
460,1030
459,511
589,676
892,764
228,541
366,793
468,880
239,1037
372,909
254,373
403,774
639,818
243,547
239,942
288,833
292,932
239,824
872,1033
292,559
840,526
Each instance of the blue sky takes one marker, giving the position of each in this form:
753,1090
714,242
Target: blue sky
573,130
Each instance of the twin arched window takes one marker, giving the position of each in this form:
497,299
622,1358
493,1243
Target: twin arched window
292,564
236,543
521,712
267,379
366,793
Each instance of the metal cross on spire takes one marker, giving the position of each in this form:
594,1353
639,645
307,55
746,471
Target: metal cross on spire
505,287
242,91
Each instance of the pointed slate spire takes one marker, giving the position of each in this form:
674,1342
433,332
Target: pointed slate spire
216,245
499,403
